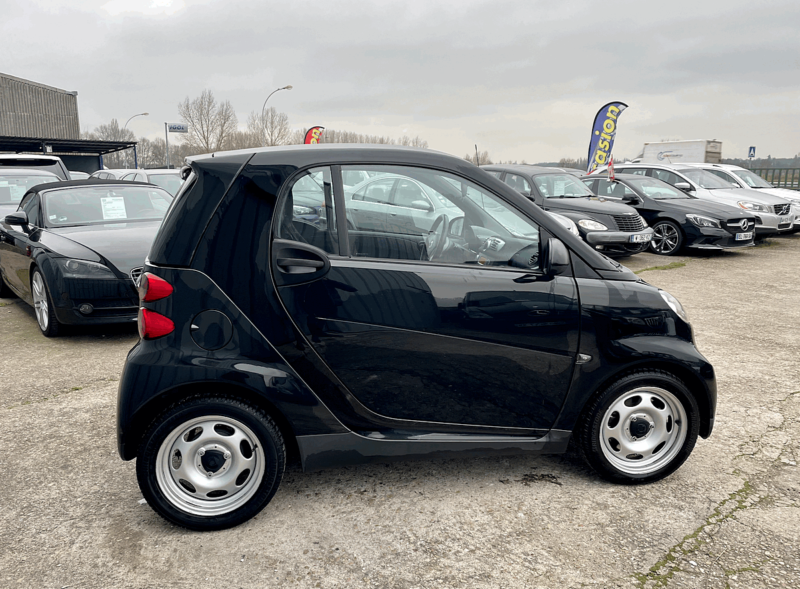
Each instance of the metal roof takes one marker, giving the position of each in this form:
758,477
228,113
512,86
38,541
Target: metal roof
61,146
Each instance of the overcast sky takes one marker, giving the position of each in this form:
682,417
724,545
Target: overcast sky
522,79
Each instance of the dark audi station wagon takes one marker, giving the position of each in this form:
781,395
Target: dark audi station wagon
343,337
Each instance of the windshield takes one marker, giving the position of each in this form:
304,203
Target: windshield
656,189
96,205
705,179
14,186
169,182
561,186
751,179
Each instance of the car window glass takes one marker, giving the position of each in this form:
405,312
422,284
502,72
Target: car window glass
666,176
704,179
14,186
93,205
560,186
374,191
308,214
636,171
725,177
31,208
657,189
353,177
464,223
129,176
518,183
409,194
606,187
169,182
751,179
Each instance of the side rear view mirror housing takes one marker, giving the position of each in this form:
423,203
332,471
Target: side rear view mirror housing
632,199
685,186
18,218
422,205
555,258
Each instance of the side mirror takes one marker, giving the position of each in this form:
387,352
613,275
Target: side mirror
632,199
555,258
18,218
685,186
422,205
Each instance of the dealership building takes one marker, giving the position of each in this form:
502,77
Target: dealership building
40,119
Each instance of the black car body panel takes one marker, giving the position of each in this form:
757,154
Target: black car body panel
363,359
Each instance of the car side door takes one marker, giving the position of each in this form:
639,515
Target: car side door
470,334
17,247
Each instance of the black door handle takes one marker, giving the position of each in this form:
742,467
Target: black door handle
288,262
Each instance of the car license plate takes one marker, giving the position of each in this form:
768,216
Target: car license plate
784,220
641,238
744,236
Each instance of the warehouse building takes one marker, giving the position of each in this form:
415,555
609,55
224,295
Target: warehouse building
35,118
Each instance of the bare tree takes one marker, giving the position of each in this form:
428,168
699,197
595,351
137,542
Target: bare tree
113,132
270,127
482,159
210,123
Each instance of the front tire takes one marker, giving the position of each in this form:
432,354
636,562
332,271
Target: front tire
640,429
210,463
667,238
43,306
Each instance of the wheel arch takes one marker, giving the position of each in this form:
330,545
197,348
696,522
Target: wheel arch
145,414
694,382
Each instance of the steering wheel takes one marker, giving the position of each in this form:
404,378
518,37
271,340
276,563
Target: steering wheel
437,237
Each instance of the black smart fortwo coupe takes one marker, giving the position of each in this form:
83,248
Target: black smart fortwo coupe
348,338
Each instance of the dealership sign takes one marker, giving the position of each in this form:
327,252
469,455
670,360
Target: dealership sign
177,127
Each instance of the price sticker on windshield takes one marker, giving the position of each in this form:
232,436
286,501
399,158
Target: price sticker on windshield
113,207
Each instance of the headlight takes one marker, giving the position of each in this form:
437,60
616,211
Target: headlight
753,206
702,221
675,305
299,210
592,225
84,269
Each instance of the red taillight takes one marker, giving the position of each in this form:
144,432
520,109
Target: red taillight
152,288
153,325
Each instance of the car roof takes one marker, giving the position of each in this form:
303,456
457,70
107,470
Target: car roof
162,171
27,171
719,166
29,156
530,169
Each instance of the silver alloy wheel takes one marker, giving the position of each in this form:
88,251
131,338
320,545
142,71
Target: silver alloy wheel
643,430
210,466
40,301
665,238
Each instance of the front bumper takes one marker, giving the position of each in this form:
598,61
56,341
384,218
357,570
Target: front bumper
111,301
716,239
618,237
769,223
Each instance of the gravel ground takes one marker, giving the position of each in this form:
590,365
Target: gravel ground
730,517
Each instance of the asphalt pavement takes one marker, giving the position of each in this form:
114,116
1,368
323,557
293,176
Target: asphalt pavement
72,515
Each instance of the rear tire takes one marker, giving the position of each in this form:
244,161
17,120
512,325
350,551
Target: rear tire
640,429
210,463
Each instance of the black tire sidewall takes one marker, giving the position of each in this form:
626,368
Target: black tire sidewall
589,428
269,440
680,238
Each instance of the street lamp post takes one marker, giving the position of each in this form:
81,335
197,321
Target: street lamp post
125,126
263,120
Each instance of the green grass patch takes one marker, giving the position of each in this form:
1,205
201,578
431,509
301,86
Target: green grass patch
670,266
